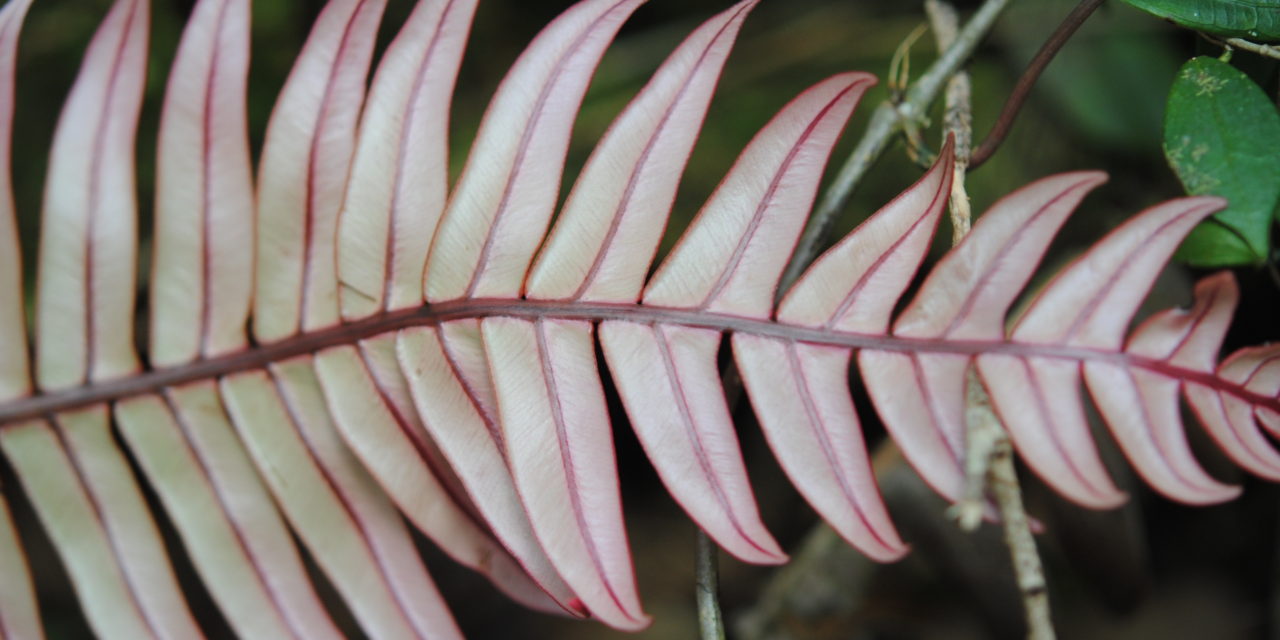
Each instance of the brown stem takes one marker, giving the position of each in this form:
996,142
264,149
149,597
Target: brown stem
1032,73
988,452
710,620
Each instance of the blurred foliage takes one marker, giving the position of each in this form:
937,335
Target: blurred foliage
1098,106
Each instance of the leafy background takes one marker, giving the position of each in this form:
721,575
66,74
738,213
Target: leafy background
1151,569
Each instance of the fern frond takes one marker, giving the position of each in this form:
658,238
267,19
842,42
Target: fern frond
429,355
18,615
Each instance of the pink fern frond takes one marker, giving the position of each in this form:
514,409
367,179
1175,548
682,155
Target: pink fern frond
427,358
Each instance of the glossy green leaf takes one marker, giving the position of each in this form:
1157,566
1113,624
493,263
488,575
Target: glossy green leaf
1222,137
1253,19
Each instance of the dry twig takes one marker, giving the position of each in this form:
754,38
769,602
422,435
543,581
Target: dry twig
885,122
710,620
988,452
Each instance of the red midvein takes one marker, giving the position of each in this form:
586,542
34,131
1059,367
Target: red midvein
432,315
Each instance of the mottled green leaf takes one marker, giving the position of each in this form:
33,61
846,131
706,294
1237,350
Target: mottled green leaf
1253,19
1222,137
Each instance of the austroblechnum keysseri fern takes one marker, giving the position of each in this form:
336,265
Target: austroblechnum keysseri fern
346,340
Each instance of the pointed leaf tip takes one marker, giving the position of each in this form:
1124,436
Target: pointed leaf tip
399,173
1190,337
969,293
500,208
1091,302
805,408
855,285
670,385
731,257
921,396
201,276
1141,409
303,170
88,237
607,234
800,393
559,446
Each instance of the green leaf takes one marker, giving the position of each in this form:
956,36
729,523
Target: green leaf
1213,245
1257,20
1222,137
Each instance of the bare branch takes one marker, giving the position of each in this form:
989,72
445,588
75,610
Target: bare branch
710,620
988,452
885,122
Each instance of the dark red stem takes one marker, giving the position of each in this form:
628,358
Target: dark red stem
1032,73
146,382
